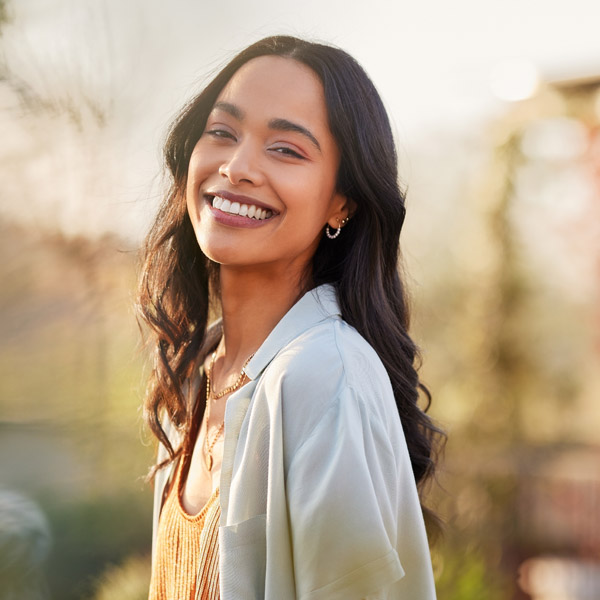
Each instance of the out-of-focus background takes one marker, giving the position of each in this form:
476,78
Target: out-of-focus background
496,108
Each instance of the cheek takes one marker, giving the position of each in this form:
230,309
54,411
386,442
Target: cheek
316,197
313,188
195,176
201,163
190,200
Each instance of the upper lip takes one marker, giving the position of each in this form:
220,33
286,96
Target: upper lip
241,199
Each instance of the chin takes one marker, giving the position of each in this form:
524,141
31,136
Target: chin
225,255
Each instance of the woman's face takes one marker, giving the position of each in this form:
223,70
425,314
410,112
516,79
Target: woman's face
262,178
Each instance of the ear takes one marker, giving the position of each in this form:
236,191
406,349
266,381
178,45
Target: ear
342,208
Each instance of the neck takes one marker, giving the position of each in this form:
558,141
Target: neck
252,303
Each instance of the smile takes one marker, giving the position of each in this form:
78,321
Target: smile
243,210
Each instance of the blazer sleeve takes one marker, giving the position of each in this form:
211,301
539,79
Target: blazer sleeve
342,491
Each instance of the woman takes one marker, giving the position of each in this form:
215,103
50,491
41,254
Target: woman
291,443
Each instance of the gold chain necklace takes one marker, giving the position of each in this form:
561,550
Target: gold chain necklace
215,396
208,447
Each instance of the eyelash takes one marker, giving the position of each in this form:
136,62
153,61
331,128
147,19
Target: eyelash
288,152
223,134
220,133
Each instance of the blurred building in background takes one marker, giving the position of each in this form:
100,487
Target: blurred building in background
522,392
559,494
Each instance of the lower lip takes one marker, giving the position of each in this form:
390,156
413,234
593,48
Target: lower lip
236,220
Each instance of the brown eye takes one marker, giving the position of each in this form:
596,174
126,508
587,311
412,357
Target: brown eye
220,133
288,152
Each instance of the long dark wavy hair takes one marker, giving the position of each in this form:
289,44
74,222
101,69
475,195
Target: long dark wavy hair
362,264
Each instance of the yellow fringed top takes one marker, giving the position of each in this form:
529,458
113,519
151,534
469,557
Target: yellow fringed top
186,562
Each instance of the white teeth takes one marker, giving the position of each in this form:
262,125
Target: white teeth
235,208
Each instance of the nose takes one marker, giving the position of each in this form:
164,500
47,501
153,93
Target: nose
242,165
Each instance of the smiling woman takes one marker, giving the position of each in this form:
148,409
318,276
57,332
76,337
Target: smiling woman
266,147
291,441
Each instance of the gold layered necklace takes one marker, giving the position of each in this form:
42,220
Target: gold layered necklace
211,397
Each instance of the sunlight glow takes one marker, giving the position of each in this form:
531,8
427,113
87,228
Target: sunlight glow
514,80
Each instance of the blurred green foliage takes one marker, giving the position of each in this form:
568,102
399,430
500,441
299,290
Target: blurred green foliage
91,534
3,13
467,575
128,581
70,390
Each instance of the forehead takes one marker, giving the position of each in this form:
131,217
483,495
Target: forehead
277,87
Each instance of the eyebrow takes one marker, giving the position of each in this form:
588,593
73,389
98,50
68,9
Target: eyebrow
232,109
275,124
285,125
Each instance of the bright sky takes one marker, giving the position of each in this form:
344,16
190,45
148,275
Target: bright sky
431,60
